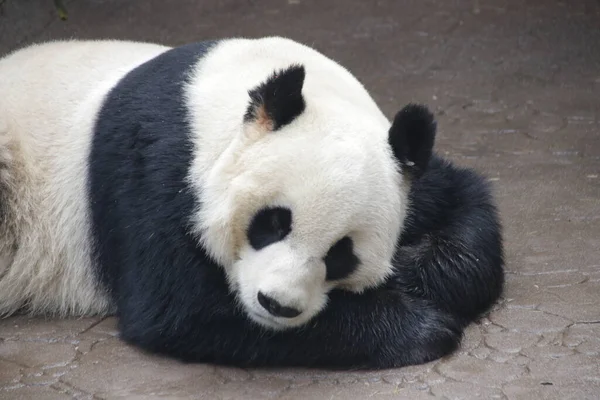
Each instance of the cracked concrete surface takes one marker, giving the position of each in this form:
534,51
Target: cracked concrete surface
516,87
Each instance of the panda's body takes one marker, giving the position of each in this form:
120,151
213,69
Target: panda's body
237,201
50,94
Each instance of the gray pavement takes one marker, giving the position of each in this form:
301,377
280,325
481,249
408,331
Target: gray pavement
516,87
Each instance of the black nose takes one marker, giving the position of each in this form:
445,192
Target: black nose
276,309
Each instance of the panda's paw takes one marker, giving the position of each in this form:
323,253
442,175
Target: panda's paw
423,334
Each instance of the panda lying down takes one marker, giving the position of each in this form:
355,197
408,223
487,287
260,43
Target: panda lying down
241,202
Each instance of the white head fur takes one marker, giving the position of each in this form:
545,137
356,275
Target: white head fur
332,166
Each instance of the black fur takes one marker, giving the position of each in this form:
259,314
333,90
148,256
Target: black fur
451,249
280,95
411,137
269,225
340,260
139,159
173,299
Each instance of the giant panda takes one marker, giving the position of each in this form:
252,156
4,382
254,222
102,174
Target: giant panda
240,201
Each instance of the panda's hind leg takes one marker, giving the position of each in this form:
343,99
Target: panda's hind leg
45,269
10,294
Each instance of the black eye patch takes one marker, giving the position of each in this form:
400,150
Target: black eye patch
269,225
340,260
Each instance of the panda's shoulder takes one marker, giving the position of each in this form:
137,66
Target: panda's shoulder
444,197
457,184
155,81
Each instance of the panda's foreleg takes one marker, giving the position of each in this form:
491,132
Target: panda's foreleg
457,264
377,329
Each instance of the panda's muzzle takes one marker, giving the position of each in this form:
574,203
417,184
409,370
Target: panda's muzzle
275,308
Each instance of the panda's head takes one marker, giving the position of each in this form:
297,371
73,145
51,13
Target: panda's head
310,195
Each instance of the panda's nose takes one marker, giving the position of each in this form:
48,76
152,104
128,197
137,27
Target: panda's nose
275,308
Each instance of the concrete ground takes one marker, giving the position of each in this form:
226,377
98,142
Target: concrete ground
516,86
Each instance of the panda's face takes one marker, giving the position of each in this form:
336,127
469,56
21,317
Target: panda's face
308,197
325,216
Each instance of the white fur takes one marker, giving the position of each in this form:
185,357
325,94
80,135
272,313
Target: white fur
50,94
331,166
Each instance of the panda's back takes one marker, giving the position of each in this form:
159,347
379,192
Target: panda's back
50,95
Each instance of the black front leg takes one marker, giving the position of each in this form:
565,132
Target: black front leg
378,329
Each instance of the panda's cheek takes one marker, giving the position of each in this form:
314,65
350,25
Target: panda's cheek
245,276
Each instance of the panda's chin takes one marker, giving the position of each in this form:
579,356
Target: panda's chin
270,323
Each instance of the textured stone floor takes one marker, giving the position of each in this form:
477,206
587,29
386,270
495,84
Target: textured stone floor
516,86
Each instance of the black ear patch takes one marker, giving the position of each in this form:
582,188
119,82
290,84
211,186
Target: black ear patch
277,101
412,136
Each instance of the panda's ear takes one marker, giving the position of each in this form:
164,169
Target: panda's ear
412,136
278,100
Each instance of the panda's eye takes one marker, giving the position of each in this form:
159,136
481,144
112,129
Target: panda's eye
340,260
269,225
